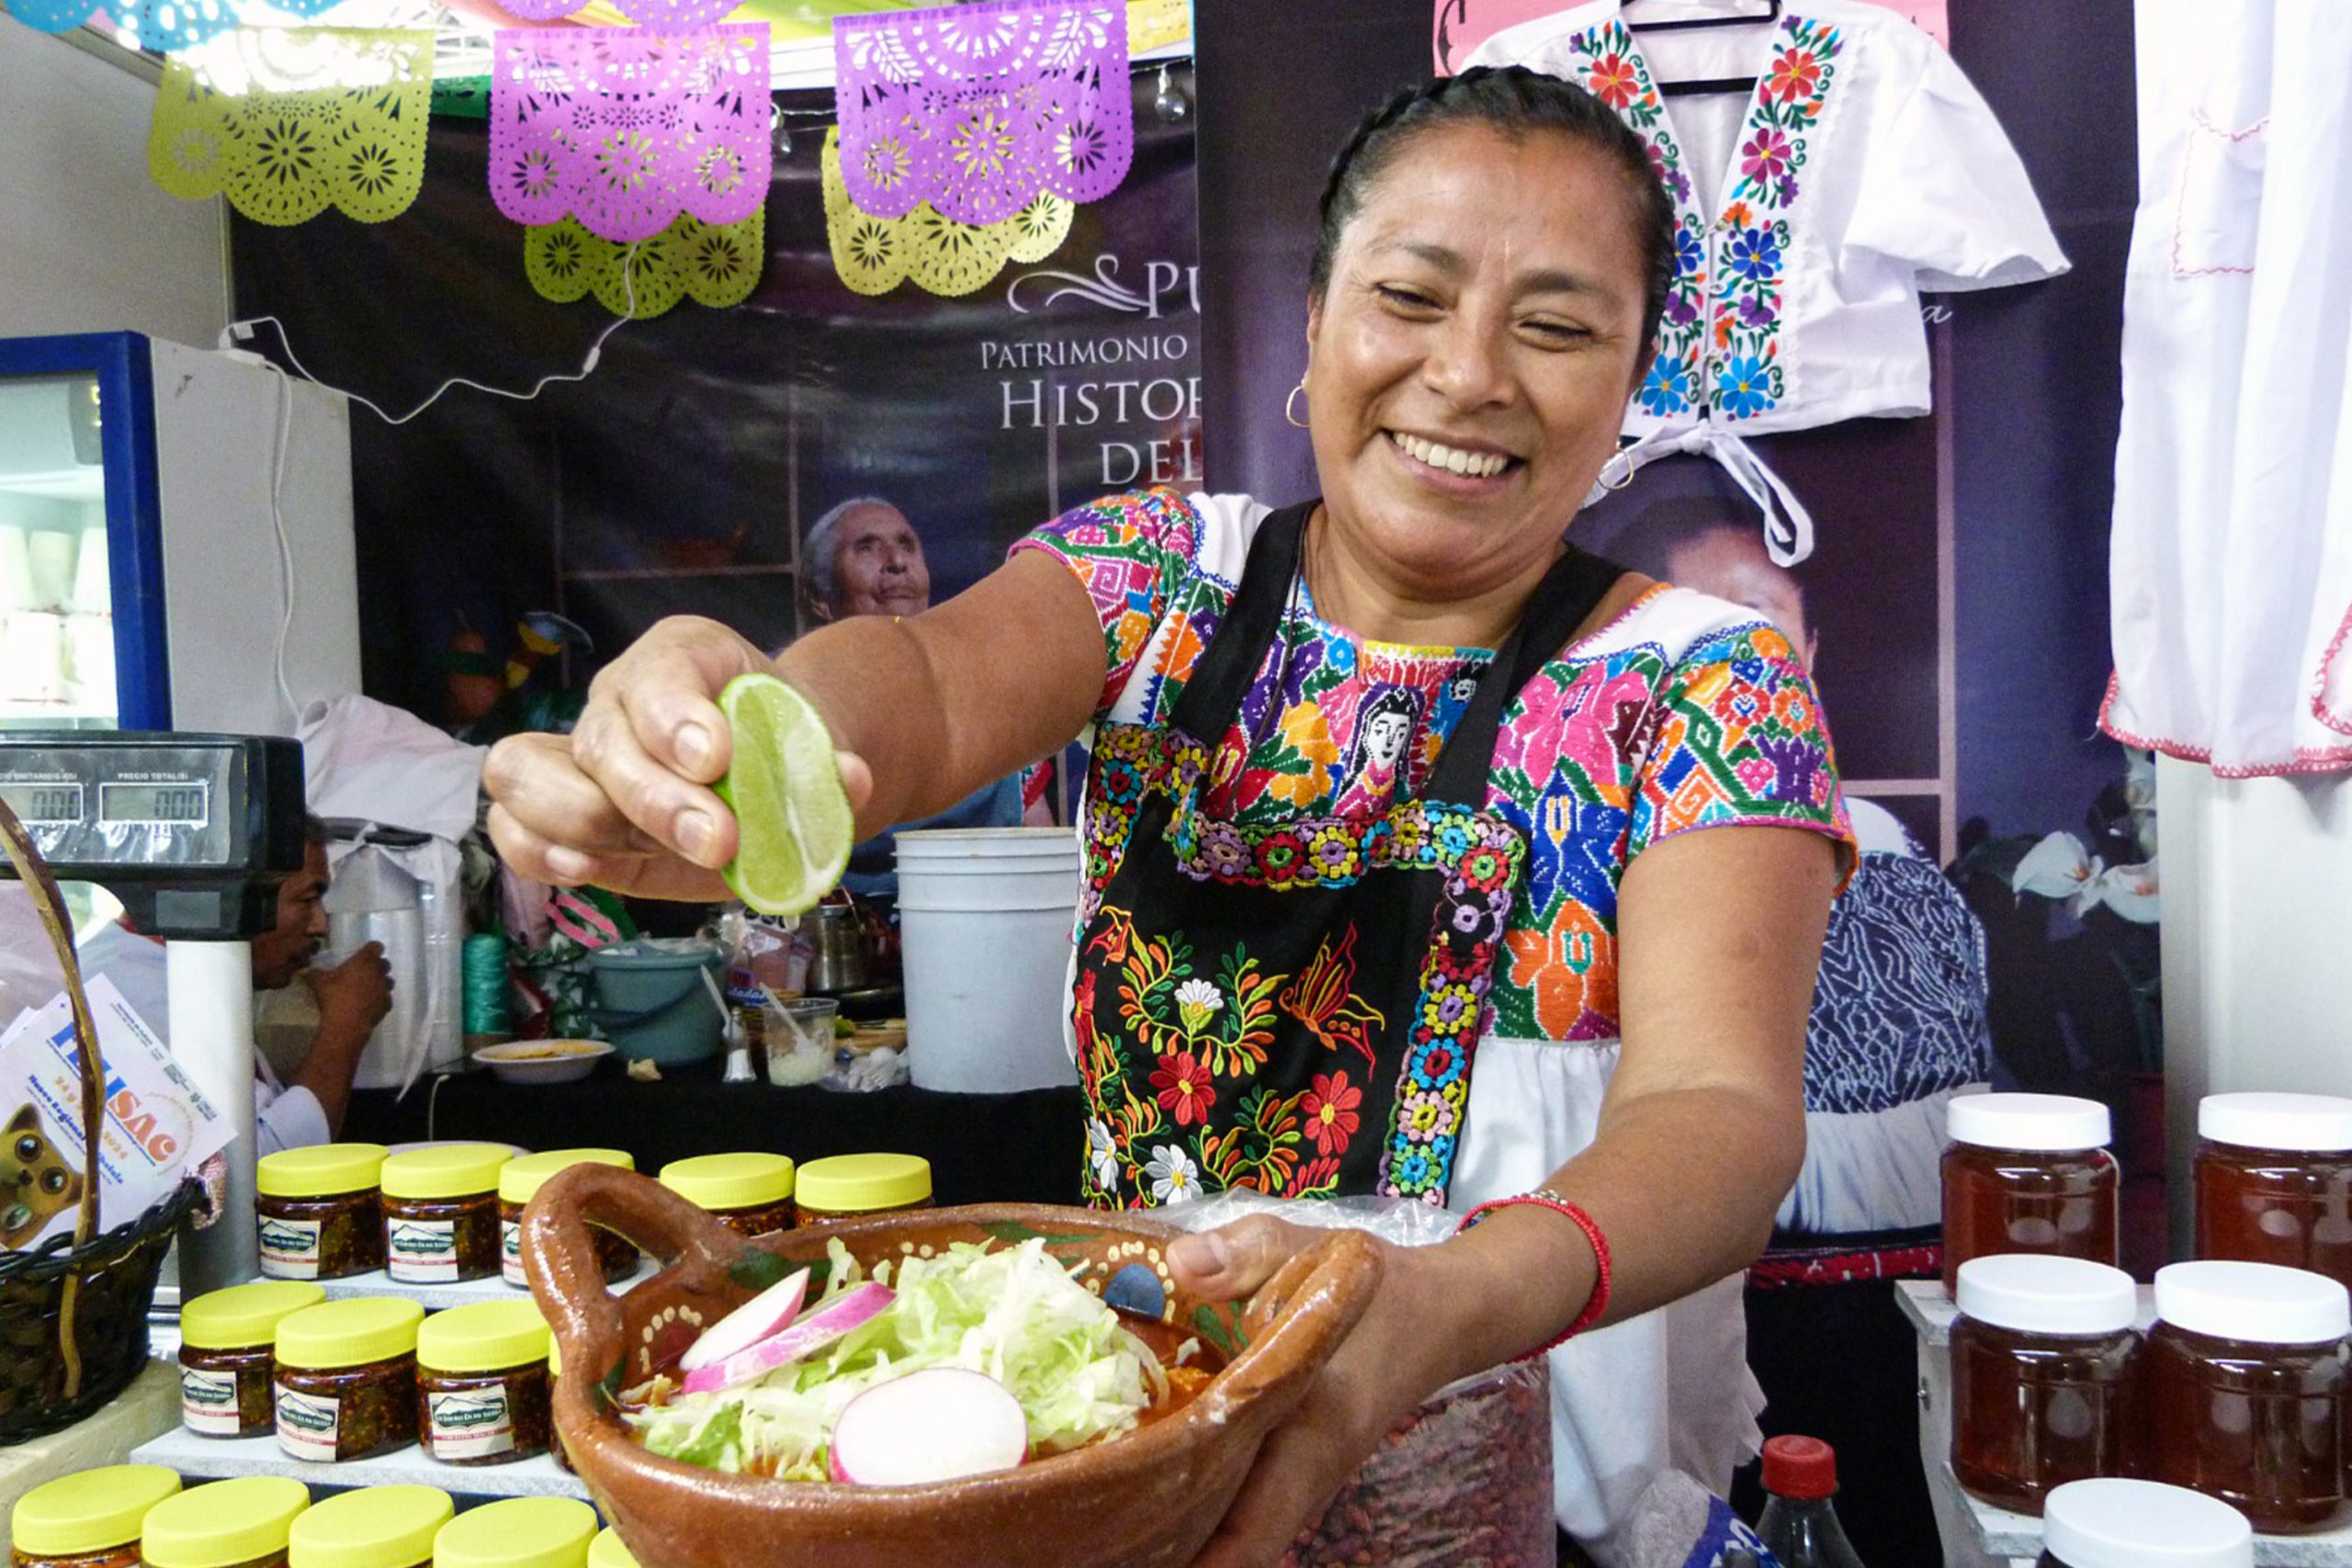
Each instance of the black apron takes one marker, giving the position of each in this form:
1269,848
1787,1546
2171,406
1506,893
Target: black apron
1294,1008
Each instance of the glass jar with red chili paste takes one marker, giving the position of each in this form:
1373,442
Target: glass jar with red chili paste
441,1212
89,1519
2117,1523
846,1186
2028,1173
519,1180
2245,1383
2043,1357
226,1340
239,1523
749,1192
2273,1180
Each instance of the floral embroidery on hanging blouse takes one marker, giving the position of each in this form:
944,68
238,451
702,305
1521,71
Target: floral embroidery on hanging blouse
1684,713
1719,344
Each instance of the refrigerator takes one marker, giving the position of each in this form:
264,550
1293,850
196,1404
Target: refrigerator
176,543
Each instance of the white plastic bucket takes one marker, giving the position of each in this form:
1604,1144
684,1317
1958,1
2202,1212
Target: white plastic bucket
984,928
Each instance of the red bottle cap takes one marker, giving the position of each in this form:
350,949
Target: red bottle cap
1800,1467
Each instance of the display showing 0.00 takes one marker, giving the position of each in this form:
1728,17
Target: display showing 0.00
177,805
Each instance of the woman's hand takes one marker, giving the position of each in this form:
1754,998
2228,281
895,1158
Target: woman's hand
1396,1357
624,800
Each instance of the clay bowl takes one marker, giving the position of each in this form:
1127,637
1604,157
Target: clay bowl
1148,1499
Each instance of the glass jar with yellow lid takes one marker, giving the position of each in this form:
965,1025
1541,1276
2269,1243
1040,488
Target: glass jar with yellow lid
89,1519
317,1211
372,1527
751,1192
520,1532
240,1523
347,1378
846,1185
609,1551
519,1180
481,1383
226,1338
441,1212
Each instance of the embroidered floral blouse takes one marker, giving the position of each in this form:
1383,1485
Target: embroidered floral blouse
1684,713
1863,169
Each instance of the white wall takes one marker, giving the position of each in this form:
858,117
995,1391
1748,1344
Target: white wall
87,242
2258,945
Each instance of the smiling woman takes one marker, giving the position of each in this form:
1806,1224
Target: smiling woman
1294,713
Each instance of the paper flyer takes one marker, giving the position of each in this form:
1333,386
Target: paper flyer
158,1125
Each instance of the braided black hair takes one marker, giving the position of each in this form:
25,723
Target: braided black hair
1517,102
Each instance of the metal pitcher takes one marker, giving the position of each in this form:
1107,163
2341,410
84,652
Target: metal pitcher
839,958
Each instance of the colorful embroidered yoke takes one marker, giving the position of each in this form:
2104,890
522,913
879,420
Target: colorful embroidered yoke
1683,713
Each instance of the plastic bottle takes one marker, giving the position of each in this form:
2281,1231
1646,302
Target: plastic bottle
1799,1522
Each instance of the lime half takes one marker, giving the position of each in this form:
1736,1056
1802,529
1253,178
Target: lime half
786,790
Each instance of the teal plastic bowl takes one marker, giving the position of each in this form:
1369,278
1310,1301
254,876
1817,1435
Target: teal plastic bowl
651,1002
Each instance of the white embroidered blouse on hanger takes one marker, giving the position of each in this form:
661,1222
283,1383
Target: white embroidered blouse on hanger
1863,170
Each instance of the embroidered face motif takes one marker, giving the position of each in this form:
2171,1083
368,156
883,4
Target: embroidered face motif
36,1184
1469,362
1383,730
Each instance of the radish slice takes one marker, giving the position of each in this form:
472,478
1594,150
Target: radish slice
849,1310
934,1425
765,1313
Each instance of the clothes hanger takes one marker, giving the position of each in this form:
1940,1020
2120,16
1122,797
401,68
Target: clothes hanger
1772,13
1698,85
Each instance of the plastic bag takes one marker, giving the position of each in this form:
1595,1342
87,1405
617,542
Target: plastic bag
1464,1480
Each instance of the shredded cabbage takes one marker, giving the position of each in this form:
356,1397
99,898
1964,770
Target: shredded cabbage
1014,1315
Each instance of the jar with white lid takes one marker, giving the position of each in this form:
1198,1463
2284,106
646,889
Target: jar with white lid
2028,1173
2043,1391
2116,1523
2273,1180
2246,1389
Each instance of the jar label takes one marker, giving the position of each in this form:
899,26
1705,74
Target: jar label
422,1252
208,1403
474,1424
509,1254
308,1425
290,1248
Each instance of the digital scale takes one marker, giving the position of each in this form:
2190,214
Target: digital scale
194,834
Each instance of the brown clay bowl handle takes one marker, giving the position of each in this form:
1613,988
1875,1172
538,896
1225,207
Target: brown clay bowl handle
567,1281
1298,1318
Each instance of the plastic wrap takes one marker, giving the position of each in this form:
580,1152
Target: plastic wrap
1467,1479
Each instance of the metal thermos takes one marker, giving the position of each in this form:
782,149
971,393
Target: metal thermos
372,899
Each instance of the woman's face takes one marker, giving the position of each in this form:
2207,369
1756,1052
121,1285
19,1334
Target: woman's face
1469,364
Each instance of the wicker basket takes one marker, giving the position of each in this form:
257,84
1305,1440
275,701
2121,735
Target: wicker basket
73,1311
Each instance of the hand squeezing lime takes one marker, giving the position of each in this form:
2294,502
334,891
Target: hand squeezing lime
786,790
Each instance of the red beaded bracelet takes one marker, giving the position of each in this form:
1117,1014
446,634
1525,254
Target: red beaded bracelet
1597,1302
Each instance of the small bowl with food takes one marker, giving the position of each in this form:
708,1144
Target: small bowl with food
543,1061
1007,1383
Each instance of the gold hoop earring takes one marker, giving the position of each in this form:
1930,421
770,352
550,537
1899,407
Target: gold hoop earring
1624,472
1291,402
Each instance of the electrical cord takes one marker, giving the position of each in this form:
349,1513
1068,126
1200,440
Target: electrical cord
242,330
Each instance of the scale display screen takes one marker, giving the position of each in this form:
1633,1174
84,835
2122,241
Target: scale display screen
156,805
123,805
43,804
193,832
